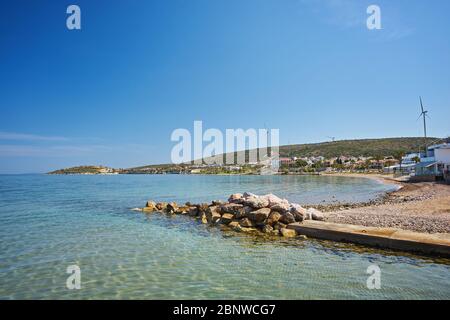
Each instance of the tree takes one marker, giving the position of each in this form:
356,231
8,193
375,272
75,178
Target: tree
301,163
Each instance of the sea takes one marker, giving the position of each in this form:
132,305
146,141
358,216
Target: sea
51,225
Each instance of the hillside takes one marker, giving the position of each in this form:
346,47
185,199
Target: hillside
361,147
84,170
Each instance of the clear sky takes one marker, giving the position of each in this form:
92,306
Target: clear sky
113,92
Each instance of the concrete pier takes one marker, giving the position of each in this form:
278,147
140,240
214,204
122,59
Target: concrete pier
388,238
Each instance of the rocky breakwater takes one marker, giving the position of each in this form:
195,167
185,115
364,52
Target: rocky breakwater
246,212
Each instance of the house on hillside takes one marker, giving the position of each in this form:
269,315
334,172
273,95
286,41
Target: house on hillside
286,161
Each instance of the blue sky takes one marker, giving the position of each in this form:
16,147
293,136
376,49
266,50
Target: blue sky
113,92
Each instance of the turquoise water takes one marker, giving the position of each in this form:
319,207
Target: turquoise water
50,222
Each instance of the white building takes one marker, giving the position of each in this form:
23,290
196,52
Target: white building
436,163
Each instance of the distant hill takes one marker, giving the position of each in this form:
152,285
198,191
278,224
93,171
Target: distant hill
84,170
360,147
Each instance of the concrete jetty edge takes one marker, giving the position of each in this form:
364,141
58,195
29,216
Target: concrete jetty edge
387,238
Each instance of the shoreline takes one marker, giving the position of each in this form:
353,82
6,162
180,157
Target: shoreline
421,207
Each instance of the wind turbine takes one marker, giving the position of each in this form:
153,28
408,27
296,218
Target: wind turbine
424,114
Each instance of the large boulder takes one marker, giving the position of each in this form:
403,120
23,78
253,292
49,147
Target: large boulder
248,194
259,215
161,206
236,198
202,207
172,207
256,202
298,212
149,209
273,218
213,214
227,218
151,205
273,199
281,207
233,208
182,210
288,233
243,213
287,218
193,211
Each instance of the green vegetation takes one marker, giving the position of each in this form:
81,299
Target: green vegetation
84,170
376,148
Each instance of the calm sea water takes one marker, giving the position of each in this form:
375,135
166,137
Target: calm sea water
50,222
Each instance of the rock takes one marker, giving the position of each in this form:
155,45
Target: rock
193,211
172,207
233,208
267,229
137,209
259,215
202,207
227,218
287,218
256,202
302,236
182,210
236,198
281,207
273,218
279,225
246,222
203,218
248,194
151,205
149,209
234,224
213,215
243,229
288,233
274,200
188,204
243,213
161,206
315,214
216,203
298,212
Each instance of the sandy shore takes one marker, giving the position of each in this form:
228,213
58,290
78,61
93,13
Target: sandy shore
422,207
